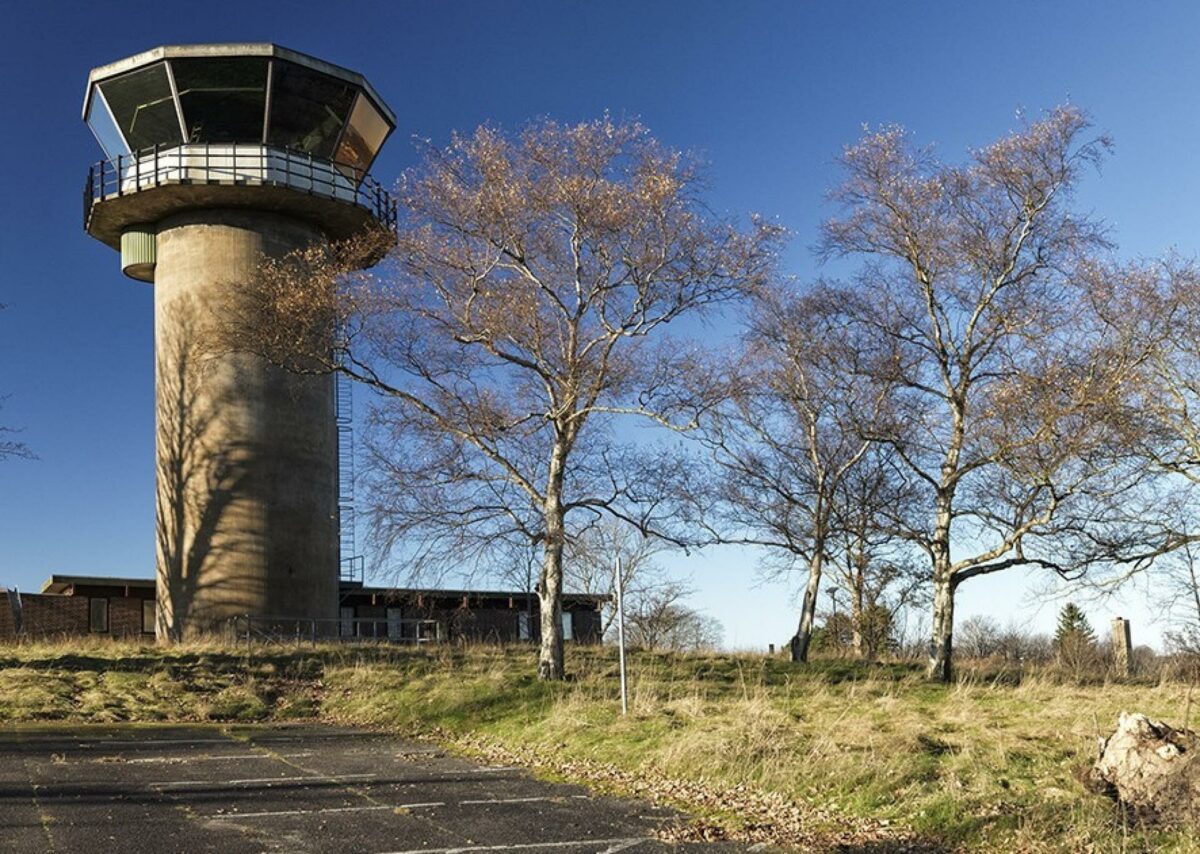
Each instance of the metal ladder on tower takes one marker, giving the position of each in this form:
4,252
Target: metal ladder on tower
351,564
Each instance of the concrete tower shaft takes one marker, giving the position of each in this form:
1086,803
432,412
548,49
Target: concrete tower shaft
221,157
247,452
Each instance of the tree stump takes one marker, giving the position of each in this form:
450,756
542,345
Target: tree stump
1150,768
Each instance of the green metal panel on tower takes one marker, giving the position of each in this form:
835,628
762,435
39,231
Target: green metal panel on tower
139,252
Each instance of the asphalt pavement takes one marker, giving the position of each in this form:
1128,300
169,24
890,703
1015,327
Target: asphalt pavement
304,788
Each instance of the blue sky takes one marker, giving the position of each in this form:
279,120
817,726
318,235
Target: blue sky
768,93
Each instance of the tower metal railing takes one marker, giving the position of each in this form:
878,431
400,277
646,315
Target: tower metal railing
236,165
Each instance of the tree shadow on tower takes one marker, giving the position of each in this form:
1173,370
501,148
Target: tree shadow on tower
199,473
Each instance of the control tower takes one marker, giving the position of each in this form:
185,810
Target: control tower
218,157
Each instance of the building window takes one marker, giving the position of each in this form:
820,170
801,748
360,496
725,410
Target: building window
347,623
148,614
98,615
523,625
568,626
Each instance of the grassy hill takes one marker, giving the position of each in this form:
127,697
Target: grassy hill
831,754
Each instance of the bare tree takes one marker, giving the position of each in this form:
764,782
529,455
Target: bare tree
791,429
658,618
1153,308
517,565
1001,384
874,566
1019,645
522,312
1177,593
980,637
11,448
589,566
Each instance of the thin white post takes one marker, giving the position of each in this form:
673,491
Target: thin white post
621,637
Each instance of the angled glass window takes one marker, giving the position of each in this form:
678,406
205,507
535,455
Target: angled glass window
224,99
308,109
143,108
100,120
363,138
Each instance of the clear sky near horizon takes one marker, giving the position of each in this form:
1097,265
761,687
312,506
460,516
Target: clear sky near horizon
767,92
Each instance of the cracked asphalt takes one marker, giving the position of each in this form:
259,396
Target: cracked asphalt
301,788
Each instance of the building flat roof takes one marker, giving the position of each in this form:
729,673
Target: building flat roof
62,583
477,594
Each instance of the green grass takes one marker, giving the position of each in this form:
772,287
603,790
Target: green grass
984,764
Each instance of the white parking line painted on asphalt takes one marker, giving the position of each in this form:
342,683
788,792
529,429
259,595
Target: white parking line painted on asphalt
613,846
274,813
313,778
621,846
527,800
184,760
116,742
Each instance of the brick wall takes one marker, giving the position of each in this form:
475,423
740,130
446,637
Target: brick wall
7,629
45,615
124,617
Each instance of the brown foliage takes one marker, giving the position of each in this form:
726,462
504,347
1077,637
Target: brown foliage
522,309
1005,385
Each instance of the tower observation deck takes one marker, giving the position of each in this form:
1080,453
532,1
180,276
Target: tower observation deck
218,157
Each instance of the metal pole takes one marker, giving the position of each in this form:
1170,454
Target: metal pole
621,637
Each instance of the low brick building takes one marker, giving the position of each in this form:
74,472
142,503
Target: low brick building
73,605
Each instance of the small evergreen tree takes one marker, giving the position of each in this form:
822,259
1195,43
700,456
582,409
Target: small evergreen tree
1073,630
1075,642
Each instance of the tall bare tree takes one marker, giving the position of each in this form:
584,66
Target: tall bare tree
1177,595
1001,384
1155,307
523,312
590,566
659,618
9,447
875,566
792,426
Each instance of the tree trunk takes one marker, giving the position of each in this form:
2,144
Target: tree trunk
858,575
941,644
808,609
550,656
856,626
